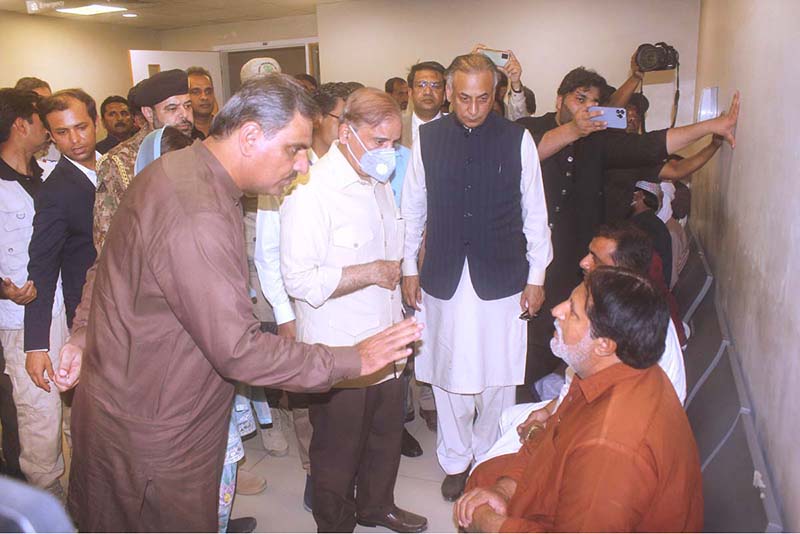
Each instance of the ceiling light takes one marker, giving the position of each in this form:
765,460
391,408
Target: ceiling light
130,15
93,9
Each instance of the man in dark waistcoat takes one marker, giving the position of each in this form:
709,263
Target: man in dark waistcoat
475,181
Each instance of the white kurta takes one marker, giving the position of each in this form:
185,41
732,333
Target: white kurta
470,344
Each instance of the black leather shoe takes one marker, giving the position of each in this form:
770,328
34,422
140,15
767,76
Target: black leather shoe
429,416
410,446
453,485
397,519
242,524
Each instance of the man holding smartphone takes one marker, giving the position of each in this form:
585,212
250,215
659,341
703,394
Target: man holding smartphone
507,63
474,184
575,153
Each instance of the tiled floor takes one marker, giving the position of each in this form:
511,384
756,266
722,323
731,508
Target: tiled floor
280,507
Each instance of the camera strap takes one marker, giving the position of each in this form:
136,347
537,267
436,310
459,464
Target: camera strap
677,94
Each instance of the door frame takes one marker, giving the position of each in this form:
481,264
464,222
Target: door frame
224,50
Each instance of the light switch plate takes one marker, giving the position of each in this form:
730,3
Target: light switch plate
708,108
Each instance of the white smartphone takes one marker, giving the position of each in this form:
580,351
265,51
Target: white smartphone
498,57
615,117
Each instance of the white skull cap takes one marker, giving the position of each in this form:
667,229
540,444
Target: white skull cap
259,66
665,213
650,187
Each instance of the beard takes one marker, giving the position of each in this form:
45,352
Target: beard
573,355
564,115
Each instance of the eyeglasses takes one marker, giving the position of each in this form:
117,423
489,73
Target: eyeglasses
422,84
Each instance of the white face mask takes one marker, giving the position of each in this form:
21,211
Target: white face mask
573,355
379,163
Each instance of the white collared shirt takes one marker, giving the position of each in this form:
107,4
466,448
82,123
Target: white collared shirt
91,174
416,122
334,221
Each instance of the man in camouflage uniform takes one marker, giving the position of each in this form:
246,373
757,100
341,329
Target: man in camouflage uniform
164,101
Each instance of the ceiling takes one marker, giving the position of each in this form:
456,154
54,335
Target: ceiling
170,14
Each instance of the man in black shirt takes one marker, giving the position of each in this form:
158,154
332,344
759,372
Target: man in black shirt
575,152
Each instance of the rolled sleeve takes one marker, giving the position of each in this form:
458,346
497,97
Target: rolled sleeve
304,238
516,108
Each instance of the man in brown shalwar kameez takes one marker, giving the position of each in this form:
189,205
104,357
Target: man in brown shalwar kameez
170,324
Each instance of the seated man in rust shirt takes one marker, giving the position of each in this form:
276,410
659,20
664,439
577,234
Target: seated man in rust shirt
618,455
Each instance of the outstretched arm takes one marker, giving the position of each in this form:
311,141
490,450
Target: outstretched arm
724,126
678,169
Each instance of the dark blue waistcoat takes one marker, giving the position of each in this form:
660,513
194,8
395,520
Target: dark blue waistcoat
474,212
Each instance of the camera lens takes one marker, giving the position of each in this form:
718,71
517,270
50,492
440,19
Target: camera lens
648,58
659,56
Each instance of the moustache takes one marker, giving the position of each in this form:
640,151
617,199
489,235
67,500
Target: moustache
558,330
120,124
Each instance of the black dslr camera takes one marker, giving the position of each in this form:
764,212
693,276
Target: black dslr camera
659,56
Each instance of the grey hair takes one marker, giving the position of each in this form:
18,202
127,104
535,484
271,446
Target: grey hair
369,106
271,101
471,63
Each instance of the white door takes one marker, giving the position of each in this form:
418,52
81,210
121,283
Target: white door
145,63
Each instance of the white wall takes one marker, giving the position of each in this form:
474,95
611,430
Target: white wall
371,41
69,54
140,61
745,205
207,37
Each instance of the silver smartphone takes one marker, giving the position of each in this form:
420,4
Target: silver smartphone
498,57
615,117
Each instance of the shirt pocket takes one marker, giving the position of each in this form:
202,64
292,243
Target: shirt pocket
17,227
349,243
13,258
16,224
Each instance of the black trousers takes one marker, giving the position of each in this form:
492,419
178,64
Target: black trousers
356,442
9,463
562,277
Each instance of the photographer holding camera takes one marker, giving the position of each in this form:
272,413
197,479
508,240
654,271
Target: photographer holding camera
575,152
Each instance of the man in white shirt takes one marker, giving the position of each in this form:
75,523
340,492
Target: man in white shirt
513,102
22,134
341,242
474,185
618,245
426,83
330,98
